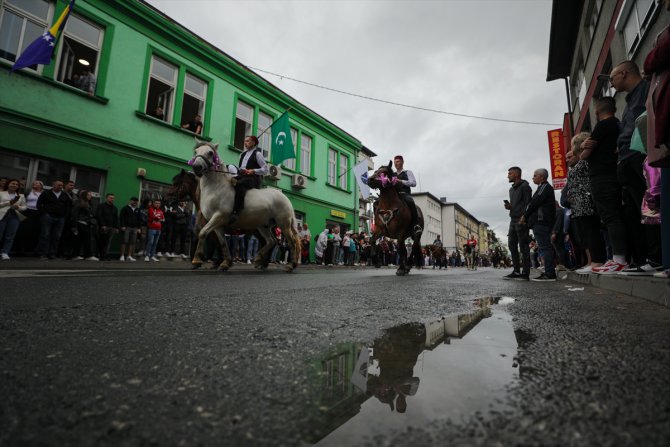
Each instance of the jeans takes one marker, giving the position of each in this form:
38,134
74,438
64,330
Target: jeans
238,247
607,197
51,228
252,248
543,236
518,236
152,242
8,227
633,186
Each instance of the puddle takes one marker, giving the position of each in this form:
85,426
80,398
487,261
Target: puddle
416,373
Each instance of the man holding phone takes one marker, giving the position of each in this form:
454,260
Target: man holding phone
520,195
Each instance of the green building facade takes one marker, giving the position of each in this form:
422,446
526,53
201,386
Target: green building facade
115,139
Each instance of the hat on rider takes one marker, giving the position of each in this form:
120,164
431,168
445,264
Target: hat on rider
399,157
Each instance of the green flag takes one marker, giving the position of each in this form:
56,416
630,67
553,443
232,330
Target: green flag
282,143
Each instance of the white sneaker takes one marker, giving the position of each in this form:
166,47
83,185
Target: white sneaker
4,256
249,262
159,254
140,253
122,259
92,258
131,259
146,259
584,270
665,274
183,256
155,259
78,258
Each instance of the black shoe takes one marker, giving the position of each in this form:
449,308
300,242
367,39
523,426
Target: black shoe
544,278
513,275
521,277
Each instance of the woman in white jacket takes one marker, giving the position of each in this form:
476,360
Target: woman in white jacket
11,204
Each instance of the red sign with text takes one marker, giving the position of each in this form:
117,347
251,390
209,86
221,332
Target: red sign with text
559,170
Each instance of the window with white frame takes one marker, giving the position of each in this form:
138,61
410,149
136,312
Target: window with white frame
161,91
21,23
332,166
290,163
195,92
244,119
344,167
79,52
265,140
306,155
636,24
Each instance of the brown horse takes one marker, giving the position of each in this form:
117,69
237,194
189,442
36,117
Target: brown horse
393,219
439,255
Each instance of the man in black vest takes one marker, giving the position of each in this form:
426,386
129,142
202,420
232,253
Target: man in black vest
250,175
405,181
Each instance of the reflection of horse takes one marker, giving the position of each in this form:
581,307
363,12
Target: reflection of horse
471,257
439,255
263,208
397,352
393,219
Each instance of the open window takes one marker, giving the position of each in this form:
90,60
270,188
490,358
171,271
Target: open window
162,83
80,54
21,23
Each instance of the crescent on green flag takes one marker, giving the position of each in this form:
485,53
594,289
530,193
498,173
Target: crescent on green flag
282,144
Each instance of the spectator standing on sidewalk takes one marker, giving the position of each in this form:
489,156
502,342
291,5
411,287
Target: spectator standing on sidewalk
67,238
83,227
29,230
600,150
180,219
518,238
540,215
12,204
54,206
130,221
155,219
107,216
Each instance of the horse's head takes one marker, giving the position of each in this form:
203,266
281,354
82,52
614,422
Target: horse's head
183,186
205,158
381,177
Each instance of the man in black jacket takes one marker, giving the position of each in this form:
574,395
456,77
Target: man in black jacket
108,223
54,205
517,236
540,214
131,224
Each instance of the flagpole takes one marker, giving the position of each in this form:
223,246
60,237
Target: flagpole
274,121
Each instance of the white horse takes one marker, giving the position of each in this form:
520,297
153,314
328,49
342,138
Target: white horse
263,208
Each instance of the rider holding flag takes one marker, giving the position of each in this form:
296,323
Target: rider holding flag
404,180
250,175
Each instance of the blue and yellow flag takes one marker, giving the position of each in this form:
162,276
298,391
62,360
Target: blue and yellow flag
41,50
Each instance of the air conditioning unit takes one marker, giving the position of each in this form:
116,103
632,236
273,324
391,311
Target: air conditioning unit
299,181
275,172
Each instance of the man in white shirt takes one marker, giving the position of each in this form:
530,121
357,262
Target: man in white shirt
406,181
250,174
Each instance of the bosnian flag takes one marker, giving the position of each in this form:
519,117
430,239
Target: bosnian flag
361,173
41,50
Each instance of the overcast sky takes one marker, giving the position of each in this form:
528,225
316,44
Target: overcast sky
475,57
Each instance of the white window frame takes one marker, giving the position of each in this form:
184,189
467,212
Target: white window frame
202,99
265,140
171,83
27,17
290,163
306,155
249,125
332,166
629,12
80,41
343,176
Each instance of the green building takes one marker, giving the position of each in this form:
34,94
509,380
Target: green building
115,139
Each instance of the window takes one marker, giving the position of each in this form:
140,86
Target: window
162,83
14,166
332,166
344,167
153,191
290,163
636,24
306,155
264,141
244,118
193,104
79,52
23,21
299,218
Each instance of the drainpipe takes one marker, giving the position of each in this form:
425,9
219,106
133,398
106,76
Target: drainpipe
567,96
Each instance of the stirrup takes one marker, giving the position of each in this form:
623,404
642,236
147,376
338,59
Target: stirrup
417,230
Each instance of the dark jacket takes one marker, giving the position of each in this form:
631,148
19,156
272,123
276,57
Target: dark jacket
519,198
107,215
542,207
82,215
48,203
559,222
130,218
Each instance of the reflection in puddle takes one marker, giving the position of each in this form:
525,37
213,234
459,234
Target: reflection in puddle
416,373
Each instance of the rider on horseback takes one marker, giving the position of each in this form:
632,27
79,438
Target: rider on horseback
250,175
405,181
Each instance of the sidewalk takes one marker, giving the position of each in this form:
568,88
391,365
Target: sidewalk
649,288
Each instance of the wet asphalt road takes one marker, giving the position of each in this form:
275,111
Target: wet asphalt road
200,358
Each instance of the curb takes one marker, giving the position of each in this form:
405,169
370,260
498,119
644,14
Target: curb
656,290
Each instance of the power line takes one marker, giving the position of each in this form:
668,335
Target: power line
425,109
